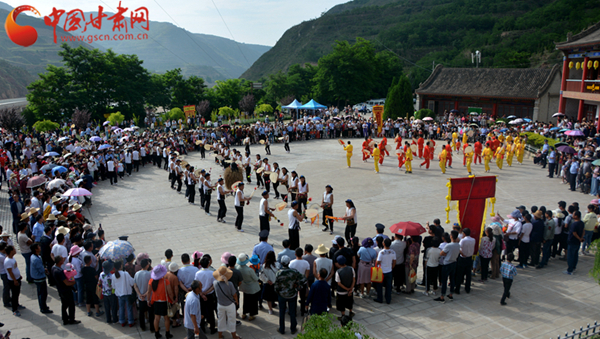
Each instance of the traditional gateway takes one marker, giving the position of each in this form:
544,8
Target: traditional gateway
499,92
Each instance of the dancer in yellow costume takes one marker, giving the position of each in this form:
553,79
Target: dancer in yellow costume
501,138
510,152
465,137
348,150
500,155
521,151
409,158
454,138
487,157
442,159
469,156
376,158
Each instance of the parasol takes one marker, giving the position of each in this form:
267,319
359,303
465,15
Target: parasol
48,167
596,162
63,139
56,183
105,146
407,228
51,154
556,115
574,133
105,123
116,250
76,192
511,117
566,149
428,119
95,138
59,169
36,181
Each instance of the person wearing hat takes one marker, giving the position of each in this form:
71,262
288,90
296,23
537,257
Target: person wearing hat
327,205
240,200
287,281
264,212
263,247
192,312
174,283
249,287
380,229
221,192
294,225
59,249
227,299
160,297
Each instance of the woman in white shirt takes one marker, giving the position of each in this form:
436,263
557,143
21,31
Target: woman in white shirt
524,241
221,191
276,182
294,217
327,204
351,220
123,285
303,194
257,165
284,180
240,201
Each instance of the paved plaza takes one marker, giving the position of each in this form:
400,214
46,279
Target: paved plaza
543,304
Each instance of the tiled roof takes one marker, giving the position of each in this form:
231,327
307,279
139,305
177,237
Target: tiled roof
588,37
488,82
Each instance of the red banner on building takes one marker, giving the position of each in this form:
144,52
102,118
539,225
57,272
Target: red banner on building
378,116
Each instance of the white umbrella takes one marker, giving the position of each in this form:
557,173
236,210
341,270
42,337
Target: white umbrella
428,119
76,192
63,139
51,154
555,115
56,183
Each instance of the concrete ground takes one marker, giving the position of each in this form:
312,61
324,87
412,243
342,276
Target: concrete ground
544,303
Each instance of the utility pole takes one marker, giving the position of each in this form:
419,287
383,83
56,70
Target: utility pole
476,58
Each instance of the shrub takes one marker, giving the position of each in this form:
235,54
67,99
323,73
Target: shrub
423,113
45,126
176,114
264,108
537,140
116,118
325,327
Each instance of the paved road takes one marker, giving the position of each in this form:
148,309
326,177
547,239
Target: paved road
16,102
544,303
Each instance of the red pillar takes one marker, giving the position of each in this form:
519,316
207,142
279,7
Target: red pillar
495,110
585,71
563,85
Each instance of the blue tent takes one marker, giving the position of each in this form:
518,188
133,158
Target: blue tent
312,105
294,105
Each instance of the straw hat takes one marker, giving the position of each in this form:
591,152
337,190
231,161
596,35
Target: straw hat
24,216
55,199
223,273
51,217
33,210
62,218
538,214
4,235
76,207
87,227
321,250
62,230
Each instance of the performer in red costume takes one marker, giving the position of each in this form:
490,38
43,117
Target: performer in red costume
381,152
431,147
382,146
449,156
398,141
478,149
365,147
426,154
420,143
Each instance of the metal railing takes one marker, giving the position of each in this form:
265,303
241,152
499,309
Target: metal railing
588,332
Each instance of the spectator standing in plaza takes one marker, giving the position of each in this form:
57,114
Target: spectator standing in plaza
287,282
160,297
111,302
591,223
465,261
508,272
576,233
344,277
65,291
249,287
319,297
398,246
140,284
524,241
226,299
386,259
549,230
89,278
123,283
192,313
450,253
38,274
14,279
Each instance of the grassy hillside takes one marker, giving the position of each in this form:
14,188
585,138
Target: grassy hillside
518,33
13,81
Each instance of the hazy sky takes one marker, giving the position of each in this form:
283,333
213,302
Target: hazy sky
258,21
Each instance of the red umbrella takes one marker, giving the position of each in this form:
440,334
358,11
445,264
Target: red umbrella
407,228
36,181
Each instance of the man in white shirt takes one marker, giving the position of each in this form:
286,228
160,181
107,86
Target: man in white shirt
398,246
465,261
514,229
264,212
209,299
59,249
386,259
303,267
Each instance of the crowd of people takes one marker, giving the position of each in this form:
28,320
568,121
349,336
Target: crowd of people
61,248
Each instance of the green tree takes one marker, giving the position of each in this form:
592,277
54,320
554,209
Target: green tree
405,96
226,93
347,74
423,113
44,126
176,114
182,91
226,111
116,118
392,105
264,109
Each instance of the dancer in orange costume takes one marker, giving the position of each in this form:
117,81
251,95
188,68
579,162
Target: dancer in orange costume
382,152
398,141
400,159
426,152
365,147
409,157
477,148
448,148
382,149
420,144
431,147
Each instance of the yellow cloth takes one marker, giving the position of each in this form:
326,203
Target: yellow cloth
376,154
409,155
469,161
408,165
499,157
487,157
465,138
